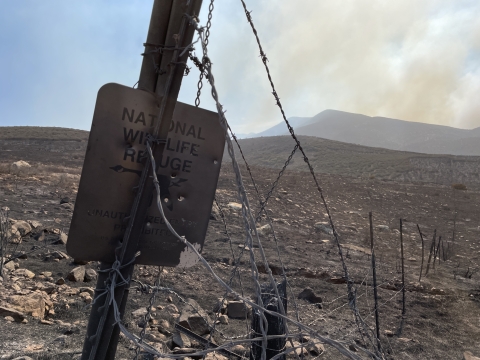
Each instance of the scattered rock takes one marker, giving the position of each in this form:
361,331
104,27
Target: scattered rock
32,304
223,319
238,310
24,273
467,355
181,340
234,206
14,314
238,349
62,239
56,255
310,296
195,320
139,312
389,333
382,228
10,265
19,166
77,274
220,306
90,275
34,224
316,349
21,228
324,227
264,230
9,319
215,356
60,281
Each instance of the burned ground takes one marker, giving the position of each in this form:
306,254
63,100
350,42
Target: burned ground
442,311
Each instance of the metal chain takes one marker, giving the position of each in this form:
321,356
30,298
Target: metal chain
350,285
148,315
201,65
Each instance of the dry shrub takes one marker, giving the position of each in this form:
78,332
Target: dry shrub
459,186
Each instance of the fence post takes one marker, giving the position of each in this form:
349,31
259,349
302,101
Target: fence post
375,294
276,325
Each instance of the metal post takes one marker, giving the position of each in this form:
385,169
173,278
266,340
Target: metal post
276,325
403,268
102,336
375,293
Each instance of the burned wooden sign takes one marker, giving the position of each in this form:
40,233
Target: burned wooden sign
187,171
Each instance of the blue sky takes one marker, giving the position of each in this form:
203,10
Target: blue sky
415,60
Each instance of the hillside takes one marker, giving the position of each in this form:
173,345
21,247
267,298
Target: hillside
334,157
383,132
42,133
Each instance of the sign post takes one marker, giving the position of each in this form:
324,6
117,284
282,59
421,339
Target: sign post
169,35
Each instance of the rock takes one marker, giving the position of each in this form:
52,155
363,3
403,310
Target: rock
90,275
389,333
56,255
60,281
77,274
34,224
220,306
24,273
88,290
64,200
62,239
67,206
324,227
21,228
18,166
411,259
310,296
10,265
215,356
238,349
316,348
237,310
181,340
215,213
86,297
264,230
23,358
223,319
40,235
300,351
352,347
234,206
171,309
14,314
195,320
382,228
139,312
467,355
9,319
32,304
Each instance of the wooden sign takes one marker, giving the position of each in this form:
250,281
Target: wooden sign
187,171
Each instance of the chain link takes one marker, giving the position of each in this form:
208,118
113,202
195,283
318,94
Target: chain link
201,65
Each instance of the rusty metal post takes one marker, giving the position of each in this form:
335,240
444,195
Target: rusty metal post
375,291
102,336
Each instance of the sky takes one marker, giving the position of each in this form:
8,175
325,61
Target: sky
415,60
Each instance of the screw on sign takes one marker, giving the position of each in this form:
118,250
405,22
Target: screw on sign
187,171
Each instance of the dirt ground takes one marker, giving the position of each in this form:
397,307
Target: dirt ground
442,318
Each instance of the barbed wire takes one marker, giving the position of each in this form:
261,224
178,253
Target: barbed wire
350,286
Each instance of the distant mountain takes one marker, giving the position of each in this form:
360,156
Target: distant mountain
383,132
